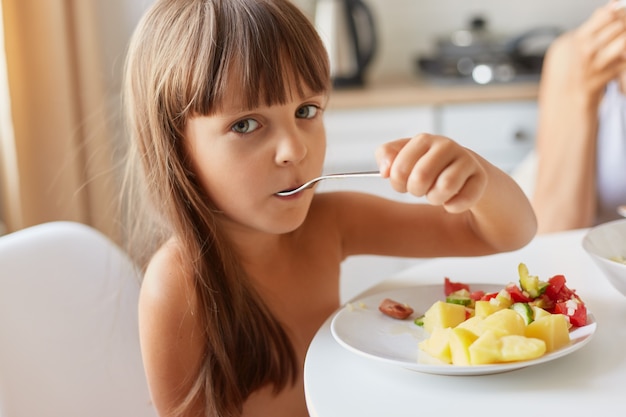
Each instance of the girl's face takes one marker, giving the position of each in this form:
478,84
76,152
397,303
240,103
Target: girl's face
244,157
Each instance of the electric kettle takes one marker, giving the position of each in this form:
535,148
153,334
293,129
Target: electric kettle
348,32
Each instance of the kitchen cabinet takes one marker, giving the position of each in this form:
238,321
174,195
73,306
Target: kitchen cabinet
353,134
501,131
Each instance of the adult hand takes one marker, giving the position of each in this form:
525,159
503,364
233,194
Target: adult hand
595,52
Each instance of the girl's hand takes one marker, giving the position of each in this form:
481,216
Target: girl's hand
436,167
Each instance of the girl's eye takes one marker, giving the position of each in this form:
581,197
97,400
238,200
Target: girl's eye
245,126
307,112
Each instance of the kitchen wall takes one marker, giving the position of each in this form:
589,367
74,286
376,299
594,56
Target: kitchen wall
407,28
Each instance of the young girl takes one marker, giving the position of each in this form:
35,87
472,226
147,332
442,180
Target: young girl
225,101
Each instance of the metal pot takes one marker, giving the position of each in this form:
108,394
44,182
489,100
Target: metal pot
478,54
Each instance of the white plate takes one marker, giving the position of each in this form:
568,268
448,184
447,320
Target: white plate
361,328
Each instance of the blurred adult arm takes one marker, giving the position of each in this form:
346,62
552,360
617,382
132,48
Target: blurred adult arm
577,67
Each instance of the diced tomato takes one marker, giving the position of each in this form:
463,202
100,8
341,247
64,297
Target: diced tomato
557,290
559,294
517,295
556,283
577,317
559,308
488,296
476,295
450,287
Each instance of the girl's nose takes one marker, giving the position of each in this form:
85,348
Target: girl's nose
291,149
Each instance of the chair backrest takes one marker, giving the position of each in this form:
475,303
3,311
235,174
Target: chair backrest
69,343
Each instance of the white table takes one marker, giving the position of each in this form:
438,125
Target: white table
590,381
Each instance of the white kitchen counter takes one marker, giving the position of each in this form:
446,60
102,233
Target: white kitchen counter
420,92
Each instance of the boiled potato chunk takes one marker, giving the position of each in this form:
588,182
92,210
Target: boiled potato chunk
486,308
505,322
442,314
473,324
460,341
552,329
521,348
492,347
486,349
438,344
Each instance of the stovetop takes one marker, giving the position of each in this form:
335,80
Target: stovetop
480,70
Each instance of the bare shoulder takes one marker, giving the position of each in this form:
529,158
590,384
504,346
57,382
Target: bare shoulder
167,302
166,280
170,333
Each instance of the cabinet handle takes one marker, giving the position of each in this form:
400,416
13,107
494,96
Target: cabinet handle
520,135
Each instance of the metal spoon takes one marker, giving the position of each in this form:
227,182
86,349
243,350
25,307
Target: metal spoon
311,183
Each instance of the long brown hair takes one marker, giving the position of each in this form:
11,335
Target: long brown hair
182,57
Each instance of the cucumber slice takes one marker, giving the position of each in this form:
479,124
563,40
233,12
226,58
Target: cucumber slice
524,310
530,283
461,297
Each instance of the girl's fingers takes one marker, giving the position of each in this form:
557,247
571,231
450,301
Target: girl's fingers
422,162
469,194
451,181
460,185
435,167
407,158
386,154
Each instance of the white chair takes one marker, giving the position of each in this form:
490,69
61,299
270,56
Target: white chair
69,344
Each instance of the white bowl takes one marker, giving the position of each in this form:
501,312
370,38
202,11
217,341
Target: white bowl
606,241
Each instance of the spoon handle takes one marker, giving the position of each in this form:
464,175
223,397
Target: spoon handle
352,174
309,184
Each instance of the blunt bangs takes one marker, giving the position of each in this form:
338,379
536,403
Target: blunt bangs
271,53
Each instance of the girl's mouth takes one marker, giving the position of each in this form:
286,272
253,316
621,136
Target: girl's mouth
289,192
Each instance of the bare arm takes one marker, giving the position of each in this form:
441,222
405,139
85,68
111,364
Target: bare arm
576,70
475,209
